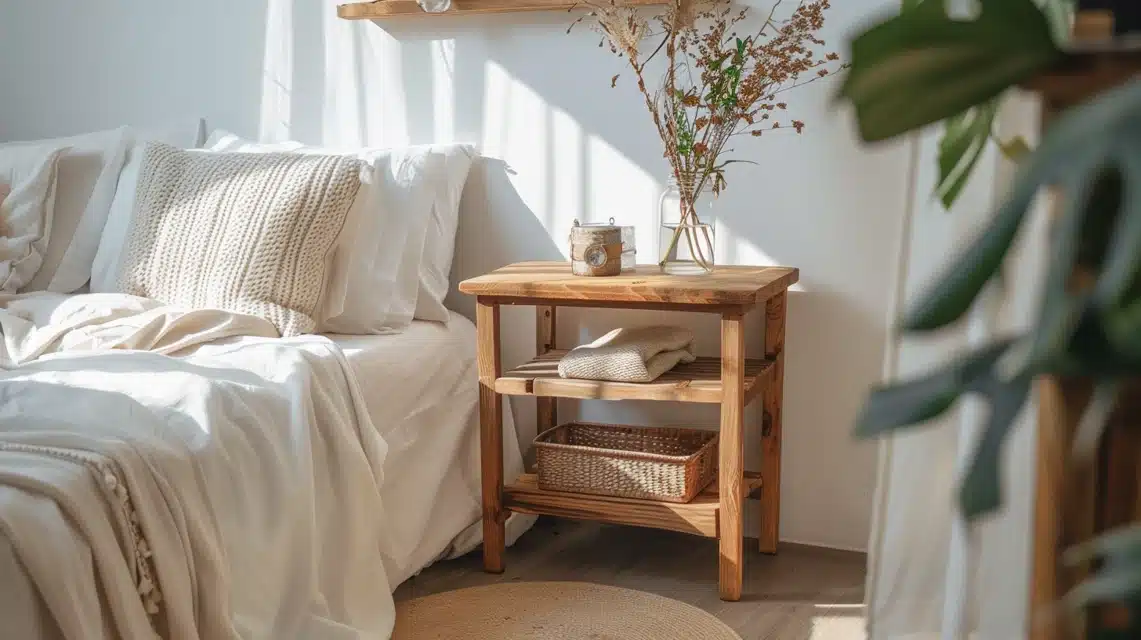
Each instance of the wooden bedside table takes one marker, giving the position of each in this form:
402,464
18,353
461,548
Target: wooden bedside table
731,380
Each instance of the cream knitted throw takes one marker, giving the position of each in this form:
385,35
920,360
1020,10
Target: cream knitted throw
629,355
242,232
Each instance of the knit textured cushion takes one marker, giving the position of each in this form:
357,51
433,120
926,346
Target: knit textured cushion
248,233
629,355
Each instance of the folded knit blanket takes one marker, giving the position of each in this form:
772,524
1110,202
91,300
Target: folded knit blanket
629,355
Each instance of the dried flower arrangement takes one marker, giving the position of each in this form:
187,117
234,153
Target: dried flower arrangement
716,84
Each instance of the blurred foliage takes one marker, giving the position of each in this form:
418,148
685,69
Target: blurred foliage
1008,42
923,67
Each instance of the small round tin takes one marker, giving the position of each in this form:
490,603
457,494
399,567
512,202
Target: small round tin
596,250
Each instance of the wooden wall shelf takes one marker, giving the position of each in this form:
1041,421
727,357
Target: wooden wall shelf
390,8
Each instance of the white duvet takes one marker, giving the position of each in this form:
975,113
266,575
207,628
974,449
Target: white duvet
194,487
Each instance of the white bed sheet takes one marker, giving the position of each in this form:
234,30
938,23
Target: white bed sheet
426,376
421,391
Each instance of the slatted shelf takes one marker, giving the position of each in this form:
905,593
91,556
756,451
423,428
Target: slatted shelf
698,381
697,517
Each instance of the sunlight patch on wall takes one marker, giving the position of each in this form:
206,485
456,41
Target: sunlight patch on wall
560,171
364,99
444,89
515,131
622,190
734,247
277,73
384,103
568,157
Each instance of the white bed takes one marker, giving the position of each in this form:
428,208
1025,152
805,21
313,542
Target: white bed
284,485
426,379
180,468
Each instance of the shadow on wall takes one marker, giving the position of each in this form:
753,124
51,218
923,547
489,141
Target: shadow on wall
496,228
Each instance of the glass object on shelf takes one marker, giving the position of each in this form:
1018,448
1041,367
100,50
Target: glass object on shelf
435,6
685,246
688,249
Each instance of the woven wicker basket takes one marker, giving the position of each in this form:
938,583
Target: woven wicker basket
651,463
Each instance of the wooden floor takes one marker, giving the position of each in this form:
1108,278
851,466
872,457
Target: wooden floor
804,593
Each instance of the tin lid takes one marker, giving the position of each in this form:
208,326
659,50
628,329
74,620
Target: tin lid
597,226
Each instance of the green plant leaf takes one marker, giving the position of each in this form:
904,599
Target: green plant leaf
1058,14
1061,312
1122,542
1120,281
964,138
956,289
914,401
1076,147
1119,578
1102,211
923,66
981,490
1123,328
1087,437
1015,149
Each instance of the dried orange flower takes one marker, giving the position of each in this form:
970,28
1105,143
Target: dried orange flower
719,81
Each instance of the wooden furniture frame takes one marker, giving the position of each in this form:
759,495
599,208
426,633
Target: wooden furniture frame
731,381
1075,502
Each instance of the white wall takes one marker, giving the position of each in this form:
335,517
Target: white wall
563,145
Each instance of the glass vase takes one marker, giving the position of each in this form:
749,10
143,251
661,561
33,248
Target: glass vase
685,243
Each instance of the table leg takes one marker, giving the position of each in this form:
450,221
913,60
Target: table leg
490,434
771,424
731,469
546,408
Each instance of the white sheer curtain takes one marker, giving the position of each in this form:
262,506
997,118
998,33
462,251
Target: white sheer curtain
929,575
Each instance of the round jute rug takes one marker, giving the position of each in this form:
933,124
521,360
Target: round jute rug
554,610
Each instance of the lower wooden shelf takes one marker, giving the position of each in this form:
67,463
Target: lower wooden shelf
698,517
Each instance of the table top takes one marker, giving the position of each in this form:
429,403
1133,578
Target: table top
727,285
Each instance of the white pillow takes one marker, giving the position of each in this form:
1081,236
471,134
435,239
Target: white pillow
27,202
446,186
113,237
87,174
85,184
440,241
375,280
